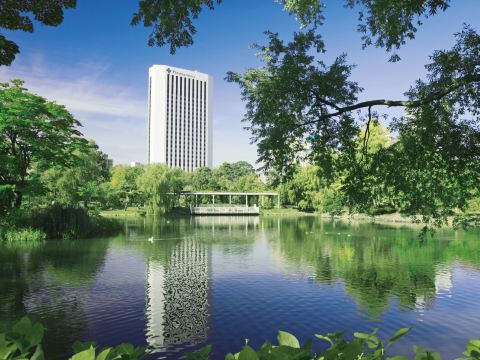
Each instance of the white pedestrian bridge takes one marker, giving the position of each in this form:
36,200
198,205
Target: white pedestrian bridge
228,203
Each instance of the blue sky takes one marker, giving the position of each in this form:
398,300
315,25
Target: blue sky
96,64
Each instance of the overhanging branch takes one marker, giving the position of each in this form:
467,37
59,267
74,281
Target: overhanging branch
437,95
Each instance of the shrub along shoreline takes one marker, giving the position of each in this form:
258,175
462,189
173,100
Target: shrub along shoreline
55,222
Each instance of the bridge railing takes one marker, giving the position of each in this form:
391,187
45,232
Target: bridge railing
224,210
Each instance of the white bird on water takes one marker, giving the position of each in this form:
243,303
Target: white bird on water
150,239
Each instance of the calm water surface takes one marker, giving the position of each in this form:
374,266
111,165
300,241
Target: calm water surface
222,280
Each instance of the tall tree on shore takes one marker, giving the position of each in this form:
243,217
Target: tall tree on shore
34,132
297,99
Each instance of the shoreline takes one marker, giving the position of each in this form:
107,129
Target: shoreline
395,218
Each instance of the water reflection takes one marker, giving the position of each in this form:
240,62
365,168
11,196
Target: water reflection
178,296
376,263
42,281
175,285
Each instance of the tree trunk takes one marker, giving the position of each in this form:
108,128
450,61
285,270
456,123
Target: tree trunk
18,199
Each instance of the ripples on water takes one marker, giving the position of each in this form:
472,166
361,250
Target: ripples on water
177,285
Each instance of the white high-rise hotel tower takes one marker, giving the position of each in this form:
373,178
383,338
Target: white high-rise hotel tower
179,117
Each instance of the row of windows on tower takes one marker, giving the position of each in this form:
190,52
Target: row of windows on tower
182,93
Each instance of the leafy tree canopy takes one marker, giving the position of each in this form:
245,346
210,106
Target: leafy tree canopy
299,107
20,15
157,183
386,24
34,134
80,182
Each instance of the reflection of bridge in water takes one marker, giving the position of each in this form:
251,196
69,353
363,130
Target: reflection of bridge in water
235,205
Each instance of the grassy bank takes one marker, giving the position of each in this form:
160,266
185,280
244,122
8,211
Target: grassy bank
135,212
285,212
131,212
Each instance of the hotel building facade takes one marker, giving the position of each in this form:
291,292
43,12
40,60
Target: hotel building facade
179,117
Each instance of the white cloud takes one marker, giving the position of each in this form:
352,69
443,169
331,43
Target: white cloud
112,114
79,87
115,115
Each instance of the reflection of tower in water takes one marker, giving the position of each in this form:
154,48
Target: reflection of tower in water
178,295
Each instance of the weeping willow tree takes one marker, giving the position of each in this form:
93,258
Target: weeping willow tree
158,182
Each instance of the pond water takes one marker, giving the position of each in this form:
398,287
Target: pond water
176,285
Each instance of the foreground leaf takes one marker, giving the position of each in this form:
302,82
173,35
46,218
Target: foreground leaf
287,339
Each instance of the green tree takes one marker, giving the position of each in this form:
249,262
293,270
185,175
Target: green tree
34,134
157,183
248,183
365,187
79,183
308,191
227,174
124,184
296,98
202,179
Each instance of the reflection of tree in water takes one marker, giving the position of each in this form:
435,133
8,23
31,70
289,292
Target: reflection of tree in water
13,285
374,262
40,282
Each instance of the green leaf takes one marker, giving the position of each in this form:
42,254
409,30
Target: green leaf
79,346
38,354
308,344
201,354
427,355
398,335
417,349
289,353
88,354
287,339
264,350
139,352
353,349
35,334
326,338
473,348
247,353
124,349
104,354
398,357
229,356
363,336
22,327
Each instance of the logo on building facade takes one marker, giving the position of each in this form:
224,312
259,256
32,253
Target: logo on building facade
174,72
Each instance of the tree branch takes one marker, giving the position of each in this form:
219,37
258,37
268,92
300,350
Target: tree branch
437,95
366,137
